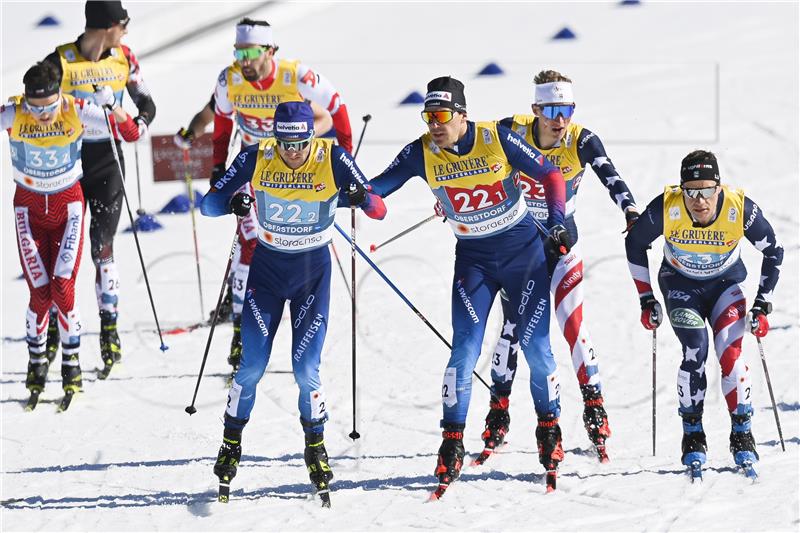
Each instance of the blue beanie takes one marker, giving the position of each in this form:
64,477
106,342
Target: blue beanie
294,121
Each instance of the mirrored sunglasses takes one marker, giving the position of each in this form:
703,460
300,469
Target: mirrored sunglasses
42,109
705,192
292,145
551,112
248,54
442,117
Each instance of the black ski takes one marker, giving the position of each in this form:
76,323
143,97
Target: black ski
224,490
325,496
695,471
102,373
65,402
33,400
550,480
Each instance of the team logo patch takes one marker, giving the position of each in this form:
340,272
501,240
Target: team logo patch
236,79
487,137
732,214
269,153
497,167
686,318
320,187
674,213
462,228
70,55
287,78
320,155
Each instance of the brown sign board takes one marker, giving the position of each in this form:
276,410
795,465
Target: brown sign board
168,159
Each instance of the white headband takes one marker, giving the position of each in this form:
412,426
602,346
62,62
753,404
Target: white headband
557,92
254,34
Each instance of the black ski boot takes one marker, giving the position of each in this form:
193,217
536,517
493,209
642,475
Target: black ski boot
52,336
235,357
225,307
595,420
319,471
693,444
36,377
110,347
230,453
450,461
743,445
548,438
71,380
494,434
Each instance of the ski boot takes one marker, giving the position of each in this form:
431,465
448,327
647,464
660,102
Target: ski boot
36,378
319,471
53,337
743,445
450,461
497,422
595,420
230,453
548,438
110,348
693,445
70,375
225,307
235,357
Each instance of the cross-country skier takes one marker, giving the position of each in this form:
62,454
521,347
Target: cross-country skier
570,147
701,279
471,168
248,91
299,181
46,130
98,58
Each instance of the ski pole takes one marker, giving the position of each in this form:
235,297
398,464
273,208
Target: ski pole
654,392
341,269
366,118
163,346
139,211
191,409
771,395
354,434
373,247
406,300
189,189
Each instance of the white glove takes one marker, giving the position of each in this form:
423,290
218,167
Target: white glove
104,97
141,123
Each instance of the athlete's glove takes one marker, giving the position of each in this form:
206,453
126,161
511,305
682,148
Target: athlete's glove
217,172
356,194
559,240
141,124
104,96
631,216
757,318
183,139
651,312
438,209
241,204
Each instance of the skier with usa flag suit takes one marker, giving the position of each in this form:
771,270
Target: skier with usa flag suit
701,280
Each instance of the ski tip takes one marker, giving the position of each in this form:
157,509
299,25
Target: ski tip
372,248
224,491
437,494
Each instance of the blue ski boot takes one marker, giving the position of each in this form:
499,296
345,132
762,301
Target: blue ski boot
743,445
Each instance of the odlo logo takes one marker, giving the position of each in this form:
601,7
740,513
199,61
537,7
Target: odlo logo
686,318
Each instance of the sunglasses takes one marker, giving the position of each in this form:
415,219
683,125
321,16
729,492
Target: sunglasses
249,54
39,110
442,117
292,145
706,192
551,112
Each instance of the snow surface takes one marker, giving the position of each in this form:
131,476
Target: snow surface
654,81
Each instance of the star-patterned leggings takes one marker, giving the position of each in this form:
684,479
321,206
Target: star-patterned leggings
690,303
